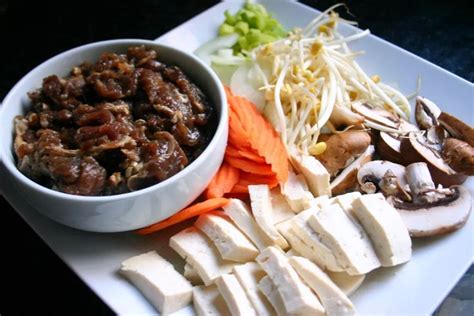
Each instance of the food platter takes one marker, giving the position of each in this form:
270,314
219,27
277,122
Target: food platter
415,288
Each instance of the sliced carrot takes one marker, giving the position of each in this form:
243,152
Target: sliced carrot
251,154
263,138
244,152
223,182
187,213
240,188
249,165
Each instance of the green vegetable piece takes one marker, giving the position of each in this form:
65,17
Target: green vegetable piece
246,15
242,27
261,9
254,36
254,25
260,22
243,42
226,29
229,18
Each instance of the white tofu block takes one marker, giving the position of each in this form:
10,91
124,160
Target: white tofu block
207,301
234,295
319,201
261,204
345,200
296,192
297,296
240,214
231,243
192,245
159,282
297,244
191,275
292,252
346,239
321,255
385,228
249,275
281,211
334,301
314,172
270,291
347,283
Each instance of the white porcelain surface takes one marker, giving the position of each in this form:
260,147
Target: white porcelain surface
415,288
130,210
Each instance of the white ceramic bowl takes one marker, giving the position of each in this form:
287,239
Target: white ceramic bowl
124,211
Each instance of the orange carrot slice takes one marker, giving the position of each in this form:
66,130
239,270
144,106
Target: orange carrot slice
263,138
187,213
239,189
249,165
223,181
244,152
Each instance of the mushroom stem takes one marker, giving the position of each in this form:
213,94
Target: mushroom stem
390,186
421,185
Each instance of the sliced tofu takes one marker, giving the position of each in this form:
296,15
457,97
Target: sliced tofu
234,295
249,275
334,301
345,201
314,172
240,214
207,301
320,201
159,282
297,244
281,211
198,250
261,204
347,283
346,239
292,252
270,291
231,243
296,192
297,296
191,275
385,228
322,255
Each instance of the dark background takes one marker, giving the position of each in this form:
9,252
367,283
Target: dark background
34,279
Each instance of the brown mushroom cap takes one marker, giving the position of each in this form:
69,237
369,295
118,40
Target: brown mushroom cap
347,179
388,145
459,155
377,115
444,217
457,128
413,149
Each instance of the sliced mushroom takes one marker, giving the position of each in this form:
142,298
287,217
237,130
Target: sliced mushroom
347,179
445,216
415,148
459,155
457,128
388,144
426,113
342,148
372,173
342,117
377,115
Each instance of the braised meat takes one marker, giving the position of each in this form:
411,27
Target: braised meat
121,124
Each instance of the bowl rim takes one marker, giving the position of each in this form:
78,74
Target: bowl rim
221,125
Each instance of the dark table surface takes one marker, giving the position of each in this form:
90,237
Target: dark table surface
34,279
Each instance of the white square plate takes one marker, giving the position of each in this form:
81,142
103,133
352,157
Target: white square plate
415,288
